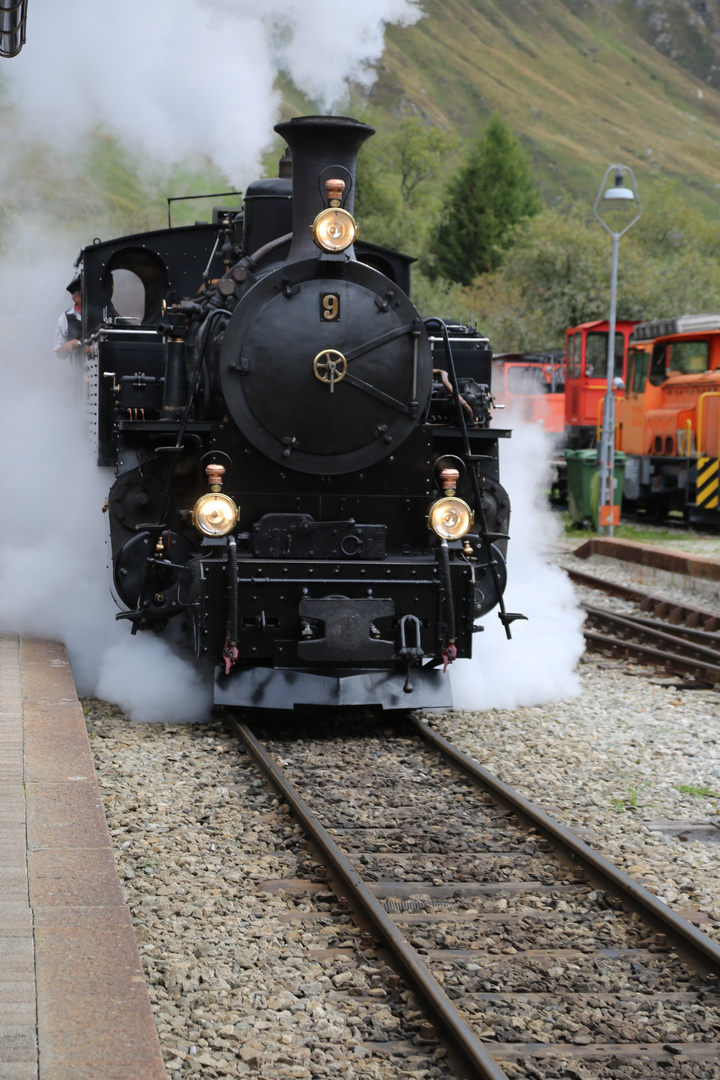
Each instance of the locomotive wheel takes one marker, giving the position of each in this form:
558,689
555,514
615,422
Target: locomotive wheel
349,380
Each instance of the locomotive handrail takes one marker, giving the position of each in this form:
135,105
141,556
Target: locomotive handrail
186,198
707,394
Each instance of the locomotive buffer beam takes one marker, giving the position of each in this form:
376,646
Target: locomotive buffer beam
349,625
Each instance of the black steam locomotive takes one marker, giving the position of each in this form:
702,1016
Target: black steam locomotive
306,480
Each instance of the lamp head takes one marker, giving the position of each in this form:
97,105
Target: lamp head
617,208
619,191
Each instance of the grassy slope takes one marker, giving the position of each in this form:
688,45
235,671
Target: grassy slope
584,83
574,78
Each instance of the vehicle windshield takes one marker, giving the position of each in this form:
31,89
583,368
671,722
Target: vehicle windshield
678,358
638,362
596,350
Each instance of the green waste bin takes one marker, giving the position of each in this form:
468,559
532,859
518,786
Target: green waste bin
583,481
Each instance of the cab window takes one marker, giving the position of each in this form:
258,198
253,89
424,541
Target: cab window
596,354
679,358
571,356
638,361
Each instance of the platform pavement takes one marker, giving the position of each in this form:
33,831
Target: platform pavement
73,998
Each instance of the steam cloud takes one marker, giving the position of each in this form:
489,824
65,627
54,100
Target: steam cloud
539,663
174,78
171,79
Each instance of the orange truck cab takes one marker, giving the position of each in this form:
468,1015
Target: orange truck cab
668,422
586,356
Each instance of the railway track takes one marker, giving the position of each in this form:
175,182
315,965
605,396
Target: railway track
676,637
534,955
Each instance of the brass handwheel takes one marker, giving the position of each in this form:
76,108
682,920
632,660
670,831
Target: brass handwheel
330,366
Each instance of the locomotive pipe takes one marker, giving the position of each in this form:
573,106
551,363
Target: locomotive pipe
257,256
317,144
175,389
232,625
449,387
448,604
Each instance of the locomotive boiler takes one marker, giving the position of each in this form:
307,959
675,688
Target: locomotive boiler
306,478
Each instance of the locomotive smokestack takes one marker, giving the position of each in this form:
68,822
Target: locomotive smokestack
323,147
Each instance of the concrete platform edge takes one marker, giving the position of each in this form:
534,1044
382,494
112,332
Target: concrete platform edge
94,1018
658,558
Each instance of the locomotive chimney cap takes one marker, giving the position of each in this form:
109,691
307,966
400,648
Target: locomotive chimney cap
449,479
215,475
335,188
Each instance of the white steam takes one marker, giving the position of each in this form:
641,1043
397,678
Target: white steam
54,580
171,79
176,78
538,664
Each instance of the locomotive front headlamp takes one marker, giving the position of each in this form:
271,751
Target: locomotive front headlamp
450,518
215,514
334,229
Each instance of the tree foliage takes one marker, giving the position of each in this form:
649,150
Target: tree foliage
396,201
491,193
550,269
557,273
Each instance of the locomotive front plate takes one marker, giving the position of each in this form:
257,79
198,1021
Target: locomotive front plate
363,379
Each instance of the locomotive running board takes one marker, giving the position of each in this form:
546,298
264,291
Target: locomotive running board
281,688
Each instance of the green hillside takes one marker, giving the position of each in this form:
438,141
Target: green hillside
584,83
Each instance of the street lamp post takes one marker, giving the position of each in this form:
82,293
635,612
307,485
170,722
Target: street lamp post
608,514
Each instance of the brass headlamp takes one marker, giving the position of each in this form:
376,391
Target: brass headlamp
450,518
334,229
215,514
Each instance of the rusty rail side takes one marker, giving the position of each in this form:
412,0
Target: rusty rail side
697,948
444,1012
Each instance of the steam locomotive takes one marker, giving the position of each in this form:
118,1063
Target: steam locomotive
307,483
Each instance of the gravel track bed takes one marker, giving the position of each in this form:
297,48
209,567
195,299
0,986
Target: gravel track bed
233,982
234,985
519,941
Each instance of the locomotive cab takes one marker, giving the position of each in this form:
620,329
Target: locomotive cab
307,480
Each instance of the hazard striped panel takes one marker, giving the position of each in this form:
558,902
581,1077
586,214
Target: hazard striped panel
706,492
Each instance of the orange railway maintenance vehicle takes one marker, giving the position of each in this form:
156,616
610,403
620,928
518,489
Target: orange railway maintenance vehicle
668,421
586,354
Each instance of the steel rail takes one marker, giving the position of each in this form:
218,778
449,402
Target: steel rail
696,947
657,604
680,631
696,651
446,1015
707,673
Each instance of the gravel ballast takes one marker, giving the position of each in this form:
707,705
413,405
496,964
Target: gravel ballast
241,986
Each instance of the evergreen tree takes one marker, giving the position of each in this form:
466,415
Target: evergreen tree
490,194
